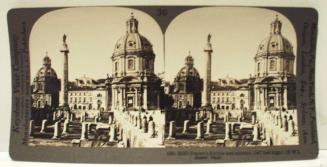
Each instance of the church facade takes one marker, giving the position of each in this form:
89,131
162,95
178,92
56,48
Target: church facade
45,91
135,85
273,85
187,86
45,86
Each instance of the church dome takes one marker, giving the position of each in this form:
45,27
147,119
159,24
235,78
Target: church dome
188,70
275,55
132,42
276,43
46,70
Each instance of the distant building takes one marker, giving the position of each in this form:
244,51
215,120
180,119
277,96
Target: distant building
230,94
88,99
45,87
273,85
187,86
89,94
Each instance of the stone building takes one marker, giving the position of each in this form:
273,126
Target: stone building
273,84
134,84
230,94
136,90
86,93
45,87
230,98
187,86
88,99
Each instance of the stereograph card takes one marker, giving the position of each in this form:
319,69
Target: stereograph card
163,84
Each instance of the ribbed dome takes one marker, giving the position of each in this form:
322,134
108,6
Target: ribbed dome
275,43
188,70
185,72
133,42
46,70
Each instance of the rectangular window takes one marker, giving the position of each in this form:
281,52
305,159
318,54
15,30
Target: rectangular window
131,64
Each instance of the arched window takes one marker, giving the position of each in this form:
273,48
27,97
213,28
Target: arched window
258,67
272,65
130,64
147,64
116,66
286,68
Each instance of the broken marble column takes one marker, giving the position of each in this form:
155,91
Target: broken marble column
136,121
227,131
56,132
225,118
263,133
214,119
151,128
208,128
110,119
232,128
239,118
133,120
172,130
112,134
186,126
255,132
268,139
71,117
211,116
31,128
139,122
82,118
121,134
254,118
280,122
65,129
242,116
54,116
197,116
84,133
67,117
145,125
285,126
291,127
43,126
199,131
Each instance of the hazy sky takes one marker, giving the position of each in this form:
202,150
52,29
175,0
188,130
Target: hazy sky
92,34
236,34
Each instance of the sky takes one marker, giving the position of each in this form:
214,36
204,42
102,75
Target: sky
93,31
236,34
91,37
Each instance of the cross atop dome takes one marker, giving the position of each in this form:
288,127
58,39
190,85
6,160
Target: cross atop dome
132,24
189,60
276,26
46,60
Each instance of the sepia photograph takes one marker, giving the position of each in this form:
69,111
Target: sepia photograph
112,77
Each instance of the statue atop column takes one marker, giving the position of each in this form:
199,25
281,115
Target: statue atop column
64,81
207,76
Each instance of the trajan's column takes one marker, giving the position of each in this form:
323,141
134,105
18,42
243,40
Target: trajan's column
207,75
64,81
